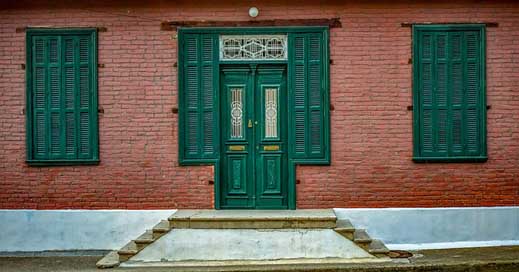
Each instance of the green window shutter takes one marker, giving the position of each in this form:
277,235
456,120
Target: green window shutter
308,98
61,96
449,93
198,88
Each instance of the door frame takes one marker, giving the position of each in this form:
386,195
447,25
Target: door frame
292,162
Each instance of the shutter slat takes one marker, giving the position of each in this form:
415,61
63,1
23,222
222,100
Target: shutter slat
55,133
442,131
472,131
192,141
457,132
40,143
84,88
69,87
84,134
39,88
70,134
299,132
84,49
427,135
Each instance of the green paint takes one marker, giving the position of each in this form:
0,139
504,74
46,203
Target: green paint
253,177
62,96
449,93
313,136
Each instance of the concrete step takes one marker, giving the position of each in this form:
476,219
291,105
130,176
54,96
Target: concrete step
377,248
345,228
127,251
145,239
111,260
160,229
255,219
361,238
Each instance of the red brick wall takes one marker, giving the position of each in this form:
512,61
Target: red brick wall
370,91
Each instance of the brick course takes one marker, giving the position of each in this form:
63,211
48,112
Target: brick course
371,128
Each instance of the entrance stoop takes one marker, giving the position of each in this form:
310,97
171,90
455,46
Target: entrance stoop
230,238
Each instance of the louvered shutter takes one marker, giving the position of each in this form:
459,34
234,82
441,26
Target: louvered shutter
308,97
198,110
450,111
62,96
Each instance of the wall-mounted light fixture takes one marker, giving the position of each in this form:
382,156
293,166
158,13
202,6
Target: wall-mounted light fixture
253,12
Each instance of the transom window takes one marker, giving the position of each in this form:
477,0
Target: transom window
253,47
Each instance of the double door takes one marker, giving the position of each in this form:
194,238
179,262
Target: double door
253,135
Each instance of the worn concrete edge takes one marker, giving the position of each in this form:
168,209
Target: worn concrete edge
490,266
447,245
56,253
263,263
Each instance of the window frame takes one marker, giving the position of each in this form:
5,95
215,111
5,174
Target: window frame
416,30
30,160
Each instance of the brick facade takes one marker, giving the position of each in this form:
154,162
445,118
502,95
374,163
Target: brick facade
371,128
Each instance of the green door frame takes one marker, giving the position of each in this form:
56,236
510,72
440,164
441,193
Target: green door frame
292,162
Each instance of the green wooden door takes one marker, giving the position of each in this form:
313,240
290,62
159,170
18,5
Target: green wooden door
254,133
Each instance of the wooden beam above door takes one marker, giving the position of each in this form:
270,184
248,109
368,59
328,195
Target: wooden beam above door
330,22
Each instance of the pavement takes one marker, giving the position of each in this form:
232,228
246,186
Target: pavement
487,259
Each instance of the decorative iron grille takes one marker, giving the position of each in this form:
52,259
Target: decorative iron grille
253,47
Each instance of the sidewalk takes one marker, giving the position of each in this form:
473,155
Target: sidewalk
495,259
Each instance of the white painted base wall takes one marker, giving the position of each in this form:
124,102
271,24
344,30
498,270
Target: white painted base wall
410,228
435,228
39,230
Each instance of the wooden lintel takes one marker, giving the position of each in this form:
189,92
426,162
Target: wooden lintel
23,29
487,24
330,22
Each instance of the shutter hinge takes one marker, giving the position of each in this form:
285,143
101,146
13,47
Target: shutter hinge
410,108
489,107
100,65
410,61
332,108
22,66
23,111
101,29
175,64
174,110
100,110
331,62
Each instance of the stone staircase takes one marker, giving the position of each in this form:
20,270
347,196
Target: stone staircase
361,238
265,220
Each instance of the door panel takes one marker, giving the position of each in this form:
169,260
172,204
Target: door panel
254,136
237,189
271,179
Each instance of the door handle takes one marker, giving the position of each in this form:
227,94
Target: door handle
250,123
